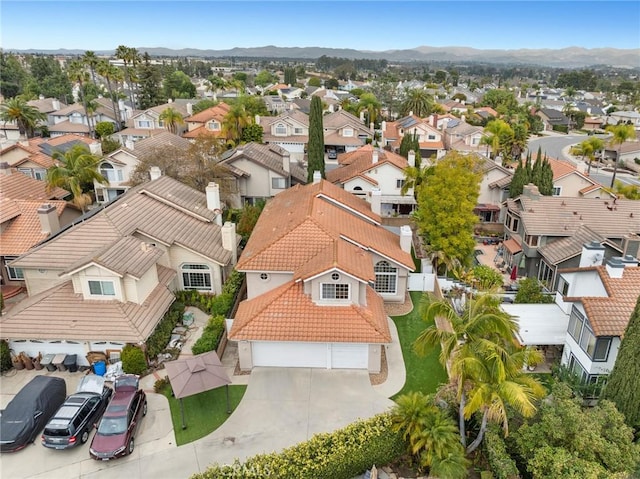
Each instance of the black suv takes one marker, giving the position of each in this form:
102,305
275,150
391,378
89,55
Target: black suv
72,423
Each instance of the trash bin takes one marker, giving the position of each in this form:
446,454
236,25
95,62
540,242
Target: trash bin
70,363
47,362
58,362
100,368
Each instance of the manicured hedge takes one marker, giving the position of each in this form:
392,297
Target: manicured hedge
5,356
160,337
133,360
211,336
502,466
342,454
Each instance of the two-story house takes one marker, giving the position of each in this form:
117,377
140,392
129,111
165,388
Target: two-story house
461,136
208,122
260,172
289,130
535,225
376,176
430,139
73,118
319,267
146,123
343,132
109,278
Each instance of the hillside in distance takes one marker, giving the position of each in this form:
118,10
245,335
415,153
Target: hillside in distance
572,57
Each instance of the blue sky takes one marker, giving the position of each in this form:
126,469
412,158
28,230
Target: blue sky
363,25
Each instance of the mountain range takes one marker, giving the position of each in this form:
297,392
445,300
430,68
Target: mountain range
571,57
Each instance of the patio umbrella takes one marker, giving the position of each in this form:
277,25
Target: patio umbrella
197,374
514,272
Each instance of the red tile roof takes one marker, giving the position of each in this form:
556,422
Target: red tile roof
359,162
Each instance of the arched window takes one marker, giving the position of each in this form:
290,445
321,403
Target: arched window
357,190
196,276
110,173
386,278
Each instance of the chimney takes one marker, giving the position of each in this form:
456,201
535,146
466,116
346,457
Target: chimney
374,156
629,261
169,101
96,148
55,104
5,169
257,119
376,201
48,218
531,191
592,254
228,233
40,97
615,268
317,177
155,173
631,245
371,126
189,109
24,141
411,158
406,235
286,161
362,116
411,113
213,201
129,144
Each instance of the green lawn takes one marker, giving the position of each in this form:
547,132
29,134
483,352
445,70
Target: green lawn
203,413
423,373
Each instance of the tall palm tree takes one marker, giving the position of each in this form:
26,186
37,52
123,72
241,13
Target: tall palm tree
91,60
75,170
92,107
78,73
235,121
481,323
24,115
418,102
496,128
112,75
172,119
588,149
621,133
126,54
369,103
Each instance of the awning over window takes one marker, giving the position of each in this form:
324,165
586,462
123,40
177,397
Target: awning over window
512,246
485,207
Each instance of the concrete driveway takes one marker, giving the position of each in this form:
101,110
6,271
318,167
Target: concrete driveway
280,408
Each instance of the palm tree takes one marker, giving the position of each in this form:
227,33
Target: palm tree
418,102
172,119
495,128
129,57
216,83
234,122
588,148
77,73
91,60
415,176
621,133
24,115
112,75
369,103
75,170
91,107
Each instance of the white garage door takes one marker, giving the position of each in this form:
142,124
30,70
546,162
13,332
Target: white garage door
32,348
290,355
349,356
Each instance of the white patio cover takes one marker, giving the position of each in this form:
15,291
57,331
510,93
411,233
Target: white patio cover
540,324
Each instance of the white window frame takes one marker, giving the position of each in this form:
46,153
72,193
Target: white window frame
110,172
213,125
101,283
298,131
26,171
192,271
384,271
14,274
335,291
40,174
347,132
280,130
278,183
144,124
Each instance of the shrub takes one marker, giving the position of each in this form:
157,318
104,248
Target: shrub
160,337
5,356
487,277
133,360
160,385
341,454
210,336
502,465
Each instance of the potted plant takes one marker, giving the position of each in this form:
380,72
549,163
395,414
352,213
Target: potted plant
17,362
26,360
37,362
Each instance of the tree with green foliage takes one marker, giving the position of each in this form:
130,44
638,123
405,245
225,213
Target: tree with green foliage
216,83
623,383
630,192
172,119
487,278
252,132
588,148
431,434
75,171
109,145
417,101
545,178
290,77
315,150
566,439
26,117
77,73
415,176
150,93
113,76
234,123
314,81
530,292
13,76
104,129
331,84
620,134
49,79
446,202
369,104
264,78
253,105
178,85
502,101
409,142
499,133
203,105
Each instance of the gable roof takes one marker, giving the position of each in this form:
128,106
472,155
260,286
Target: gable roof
269,156
302,221
359,162
275,316
161,139
566,248
25,229
163,209
342,255
20,187
217,111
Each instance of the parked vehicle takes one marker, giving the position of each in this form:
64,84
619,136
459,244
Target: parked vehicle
117,428
72,423
29,411
332,154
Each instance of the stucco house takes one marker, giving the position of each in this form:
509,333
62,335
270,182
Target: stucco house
108,279
146,123
430,139
289,130
319,268
376,176
461,136
260,172
343,132
208,122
